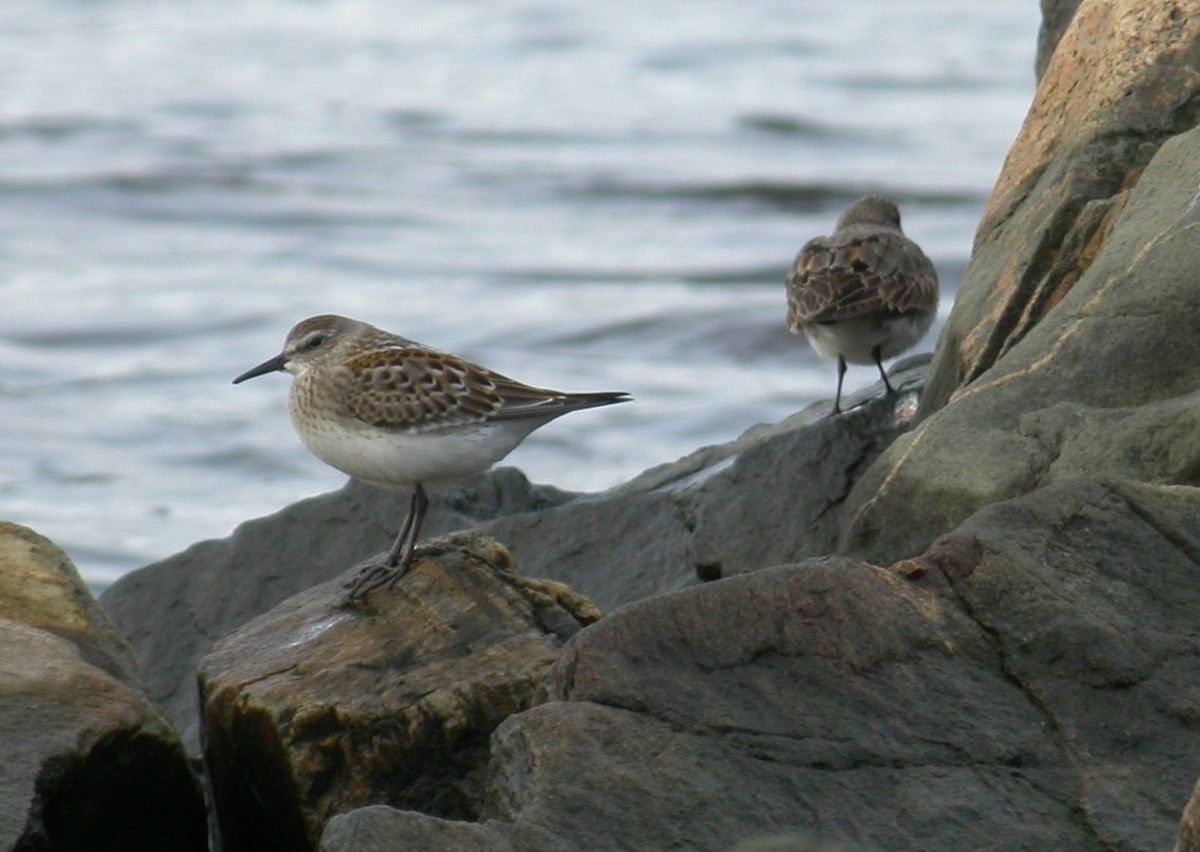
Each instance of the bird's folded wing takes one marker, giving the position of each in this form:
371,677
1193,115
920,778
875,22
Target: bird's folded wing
834,281
405,388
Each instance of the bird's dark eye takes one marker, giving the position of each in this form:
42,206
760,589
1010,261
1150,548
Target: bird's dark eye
315,341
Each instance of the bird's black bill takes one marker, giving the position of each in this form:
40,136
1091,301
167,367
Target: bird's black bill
274,365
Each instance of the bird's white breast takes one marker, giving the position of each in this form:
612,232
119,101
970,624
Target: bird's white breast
399,459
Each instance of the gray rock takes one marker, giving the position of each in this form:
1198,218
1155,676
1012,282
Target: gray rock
89,762
830,697
792,843
40,587
779,499
383,829
1090,591
1105,385
1056,15
633,542
1032,681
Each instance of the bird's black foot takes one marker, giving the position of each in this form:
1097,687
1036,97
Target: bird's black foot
372,574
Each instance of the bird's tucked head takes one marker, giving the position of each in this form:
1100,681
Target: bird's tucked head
872,210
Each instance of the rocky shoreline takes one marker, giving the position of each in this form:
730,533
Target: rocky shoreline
968,624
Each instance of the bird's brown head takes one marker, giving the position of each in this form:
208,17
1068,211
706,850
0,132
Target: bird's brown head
310,343
872,210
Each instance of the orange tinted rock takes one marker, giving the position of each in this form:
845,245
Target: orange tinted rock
1123,80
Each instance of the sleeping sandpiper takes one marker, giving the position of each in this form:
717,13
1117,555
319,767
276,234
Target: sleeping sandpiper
864,294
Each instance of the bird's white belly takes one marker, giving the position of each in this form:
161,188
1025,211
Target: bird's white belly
855,340
398,460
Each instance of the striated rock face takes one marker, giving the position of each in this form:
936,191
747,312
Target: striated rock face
1124,79
89,762
1106,385
741,709
314,708
1089,590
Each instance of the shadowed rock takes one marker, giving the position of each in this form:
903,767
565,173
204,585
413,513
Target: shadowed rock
89,762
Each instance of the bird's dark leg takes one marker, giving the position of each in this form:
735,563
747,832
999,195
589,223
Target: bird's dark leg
396,562
837,400
402,537
883,375
416,517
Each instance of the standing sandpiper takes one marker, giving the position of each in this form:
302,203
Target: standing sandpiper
864,294
404,417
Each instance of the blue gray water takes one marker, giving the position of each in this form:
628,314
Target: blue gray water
590,196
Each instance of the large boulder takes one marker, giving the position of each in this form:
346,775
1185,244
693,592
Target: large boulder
1089,589
319,707
1106,384
173,611
89,761
40,588
1124,79
1031,681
